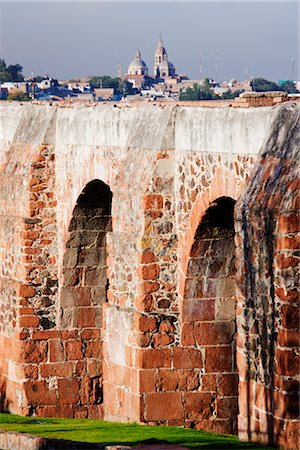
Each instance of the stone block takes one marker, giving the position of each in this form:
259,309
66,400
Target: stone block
187,358
198,405
163,406
214,333
56,351
154,358
61,370
74,350
68,391
218,359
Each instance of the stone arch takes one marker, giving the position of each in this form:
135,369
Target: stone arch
208,318
84,288
225,183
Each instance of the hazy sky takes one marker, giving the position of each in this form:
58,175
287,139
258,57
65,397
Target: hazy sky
72,39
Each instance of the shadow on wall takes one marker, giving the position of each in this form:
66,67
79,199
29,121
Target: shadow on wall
3,402
259,271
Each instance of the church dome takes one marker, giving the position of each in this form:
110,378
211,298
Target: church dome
137,66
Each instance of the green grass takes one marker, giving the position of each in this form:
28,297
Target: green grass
107,433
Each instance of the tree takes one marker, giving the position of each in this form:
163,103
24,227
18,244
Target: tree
107,82
229,95
288,86
10,73
4,74
15,72
263,85
198,92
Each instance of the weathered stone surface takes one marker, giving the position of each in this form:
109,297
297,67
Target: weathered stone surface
118,295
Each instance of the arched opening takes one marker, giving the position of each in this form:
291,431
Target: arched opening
85,290
209,318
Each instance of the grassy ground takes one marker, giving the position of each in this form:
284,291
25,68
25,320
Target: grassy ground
107,433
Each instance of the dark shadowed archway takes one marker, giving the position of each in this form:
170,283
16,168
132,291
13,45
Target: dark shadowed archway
209,317
84,291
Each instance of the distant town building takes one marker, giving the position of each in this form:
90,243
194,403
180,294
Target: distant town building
15,86
103,94
163,68
137,66
137,71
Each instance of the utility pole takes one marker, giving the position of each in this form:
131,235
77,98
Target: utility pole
201,66
293,69
216,65
246,72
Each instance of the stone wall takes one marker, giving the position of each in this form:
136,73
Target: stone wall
117,260
268,302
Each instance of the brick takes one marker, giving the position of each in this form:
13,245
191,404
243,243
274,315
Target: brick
147,287
26,371
32,352
187,358
93,349
149,272
163,406
291,295
162,339
289,338
292,435
196,310
86,317
287,405
26,291
290,316
38,393
73,350
227,407
63,369
285,262
153,358
228,384
56,411
145,303
56,351
214,333
288,242
92,333
148,257
187,334
40,335
218,359
209,382
147,380
287,362
28,321
198,405
68,391
75,296
145,323
288,223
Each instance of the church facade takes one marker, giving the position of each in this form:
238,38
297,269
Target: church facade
163,68
138,71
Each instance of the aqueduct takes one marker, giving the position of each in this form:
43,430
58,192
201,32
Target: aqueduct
147,265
